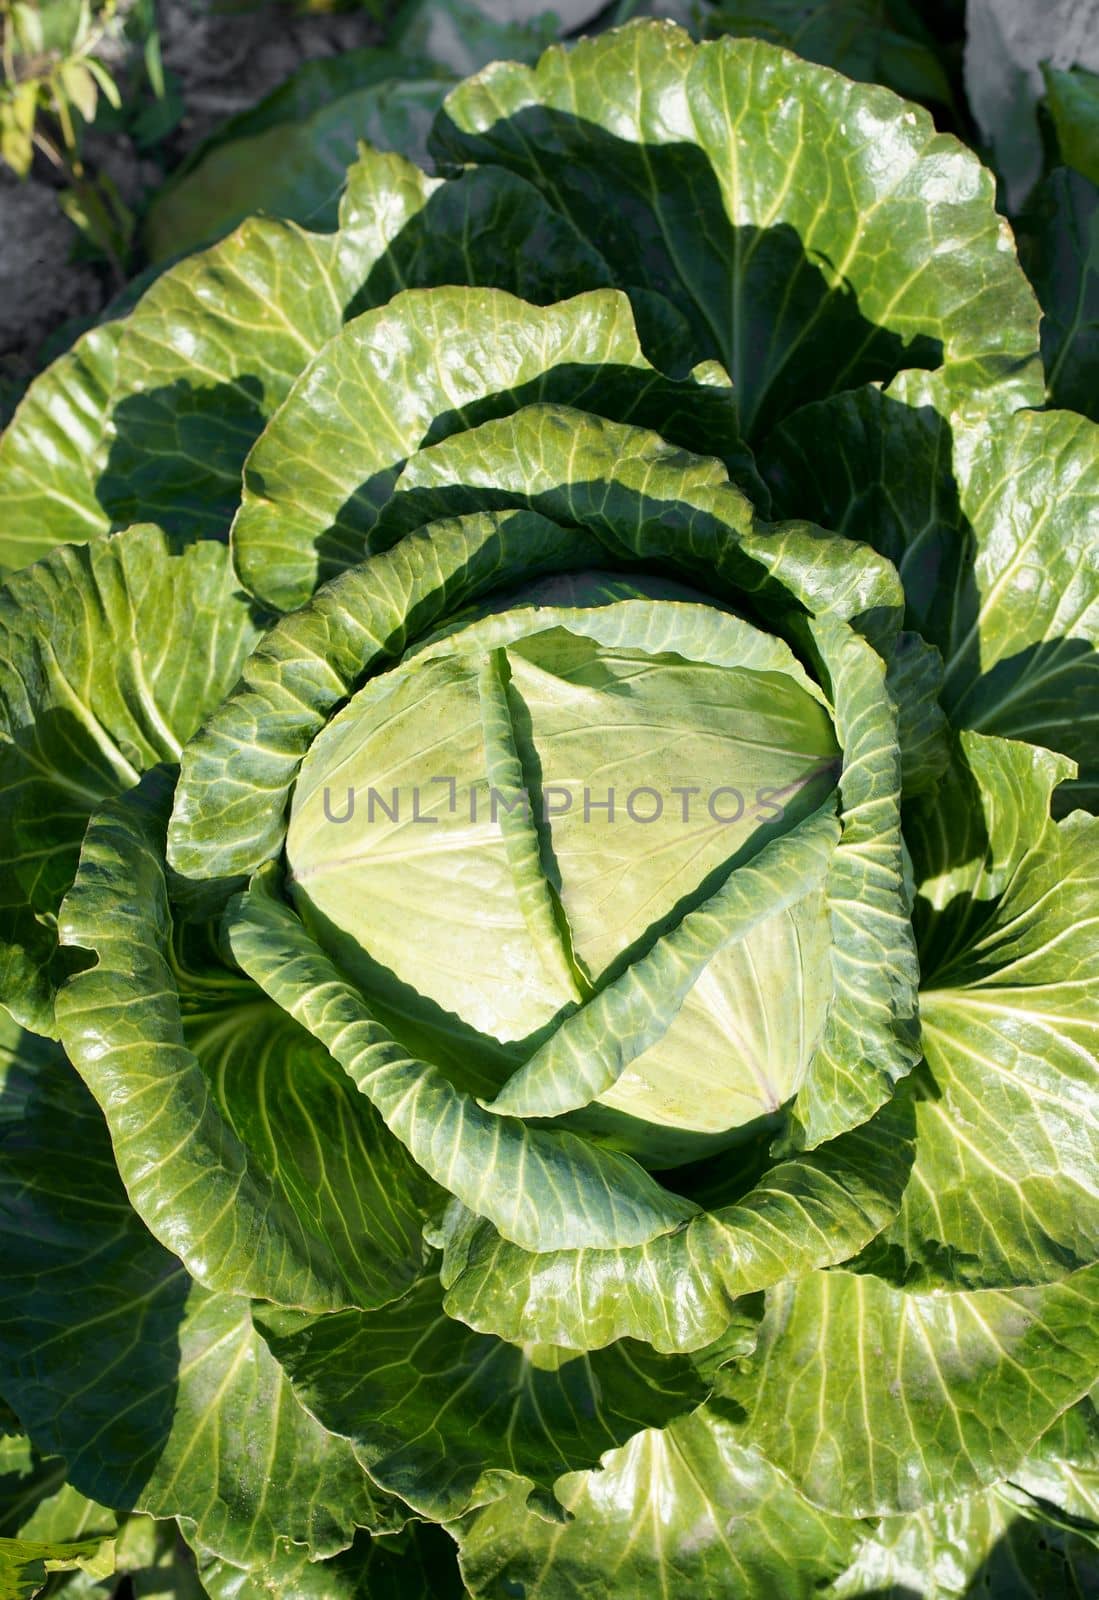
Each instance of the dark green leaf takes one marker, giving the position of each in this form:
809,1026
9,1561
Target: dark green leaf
1059,244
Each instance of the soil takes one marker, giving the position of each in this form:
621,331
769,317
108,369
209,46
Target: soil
40,286
224,61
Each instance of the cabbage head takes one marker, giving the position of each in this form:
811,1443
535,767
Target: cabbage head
549,739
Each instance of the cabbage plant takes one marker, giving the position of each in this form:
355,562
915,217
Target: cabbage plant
548,871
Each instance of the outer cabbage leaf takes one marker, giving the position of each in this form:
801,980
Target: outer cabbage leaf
111,654
870,1036
1063,1469
420,1563
645,500
865,39
876,1400
44,452
808,1211
243,1147
685,1510
315,85
841,240
158,1394
40,1510
322,472
152,416
992,522
914,678
465,35
448,1419
25,1564
1059,245
295,168
1003,1190
992,1542
44,1520
212,345
1073,101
